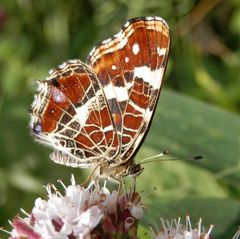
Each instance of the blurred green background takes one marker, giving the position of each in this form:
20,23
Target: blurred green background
198,111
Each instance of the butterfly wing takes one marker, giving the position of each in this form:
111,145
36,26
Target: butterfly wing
71,114
130,67
102,111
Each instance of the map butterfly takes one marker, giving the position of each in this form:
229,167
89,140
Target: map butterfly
97,114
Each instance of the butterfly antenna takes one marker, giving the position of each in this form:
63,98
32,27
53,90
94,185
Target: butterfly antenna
165,152
160,157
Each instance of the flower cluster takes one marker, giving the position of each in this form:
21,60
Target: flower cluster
95,212
91,212
175,230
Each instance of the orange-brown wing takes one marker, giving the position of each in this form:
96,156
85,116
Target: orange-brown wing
71,114
130,67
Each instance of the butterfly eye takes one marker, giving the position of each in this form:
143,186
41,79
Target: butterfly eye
135,169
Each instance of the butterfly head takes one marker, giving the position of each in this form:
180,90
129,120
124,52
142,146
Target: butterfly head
134,170
120,171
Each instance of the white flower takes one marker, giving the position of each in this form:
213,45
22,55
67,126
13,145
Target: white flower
87,221
176,230
81,213
110,201
137,211
61,216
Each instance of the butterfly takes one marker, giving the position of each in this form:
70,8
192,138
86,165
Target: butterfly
97,114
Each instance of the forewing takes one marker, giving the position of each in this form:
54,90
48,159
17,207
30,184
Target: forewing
71,114
130,67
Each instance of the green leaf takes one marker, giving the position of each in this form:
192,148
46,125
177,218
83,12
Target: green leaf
176,179
186,126
173,188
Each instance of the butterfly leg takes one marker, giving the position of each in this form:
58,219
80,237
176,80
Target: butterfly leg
92,176
120,186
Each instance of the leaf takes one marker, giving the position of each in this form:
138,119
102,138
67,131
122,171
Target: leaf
186,126
177,179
